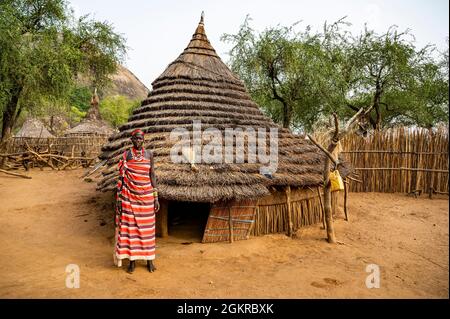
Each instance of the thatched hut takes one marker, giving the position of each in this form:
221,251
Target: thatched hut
33,128
92,124
238,199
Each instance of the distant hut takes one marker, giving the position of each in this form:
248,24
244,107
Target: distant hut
33,128
236,198
92,124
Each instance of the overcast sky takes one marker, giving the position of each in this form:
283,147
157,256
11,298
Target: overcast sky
158,31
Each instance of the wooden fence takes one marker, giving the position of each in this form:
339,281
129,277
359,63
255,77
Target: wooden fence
399,160
80,146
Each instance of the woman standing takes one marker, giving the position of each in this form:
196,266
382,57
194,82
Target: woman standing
137,202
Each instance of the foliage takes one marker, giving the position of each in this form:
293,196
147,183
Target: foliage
43,48
76,115
116,109
80,98
301,78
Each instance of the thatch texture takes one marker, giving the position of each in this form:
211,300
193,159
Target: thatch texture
90,127
92,124
33,128
199,86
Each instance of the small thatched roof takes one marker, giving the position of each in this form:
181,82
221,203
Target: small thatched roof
33,127
92,123
199,86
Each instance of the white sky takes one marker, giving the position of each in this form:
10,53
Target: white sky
158,31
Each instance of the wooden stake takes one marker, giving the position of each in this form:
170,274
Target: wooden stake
289,211
230,224
163,217
345,199
322,208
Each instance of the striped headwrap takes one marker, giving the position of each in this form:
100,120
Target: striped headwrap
137,131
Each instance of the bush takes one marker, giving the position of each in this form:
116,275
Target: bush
116,109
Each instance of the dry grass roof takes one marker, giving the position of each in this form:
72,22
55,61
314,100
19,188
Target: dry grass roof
92,123
199,86
33,127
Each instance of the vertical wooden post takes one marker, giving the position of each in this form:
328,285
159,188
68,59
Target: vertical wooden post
289,211
430,164
162,215
321,206
345,199
230,223
327,202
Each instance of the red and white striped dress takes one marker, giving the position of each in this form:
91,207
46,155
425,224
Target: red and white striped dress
135,231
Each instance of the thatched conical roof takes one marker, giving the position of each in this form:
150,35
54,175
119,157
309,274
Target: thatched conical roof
92,123
33,127
199,86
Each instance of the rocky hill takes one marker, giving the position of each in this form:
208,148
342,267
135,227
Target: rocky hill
124,82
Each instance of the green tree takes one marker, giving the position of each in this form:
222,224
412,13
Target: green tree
300,78
116,109
42,50
403,83
277,66
80,97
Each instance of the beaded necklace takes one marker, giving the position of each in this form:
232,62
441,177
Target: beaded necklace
137,155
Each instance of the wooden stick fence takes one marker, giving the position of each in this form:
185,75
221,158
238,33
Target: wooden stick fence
399,160
80,146
56,152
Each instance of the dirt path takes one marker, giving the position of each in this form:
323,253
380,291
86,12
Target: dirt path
56,219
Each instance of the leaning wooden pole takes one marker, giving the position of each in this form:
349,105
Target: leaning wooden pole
14,174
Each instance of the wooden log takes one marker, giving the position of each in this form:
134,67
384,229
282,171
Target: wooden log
14,174
40,157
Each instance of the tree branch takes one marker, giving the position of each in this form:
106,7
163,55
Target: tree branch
335,161
354,108
358,115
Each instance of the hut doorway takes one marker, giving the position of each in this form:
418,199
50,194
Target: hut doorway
187,220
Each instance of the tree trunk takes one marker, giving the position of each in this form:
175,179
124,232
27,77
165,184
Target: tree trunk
287,115
376,106
378,119
9,115
327,202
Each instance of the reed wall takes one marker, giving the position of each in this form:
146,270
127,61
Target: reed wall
400,160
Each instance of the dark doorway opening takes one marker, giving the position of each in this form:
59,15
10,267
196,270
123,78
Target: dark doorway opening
187,220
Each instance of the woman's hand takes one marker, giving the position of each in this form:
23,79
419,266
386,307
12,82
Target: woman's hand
156,205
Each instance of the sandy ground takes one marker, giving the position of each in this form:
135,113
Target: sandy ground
56,219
